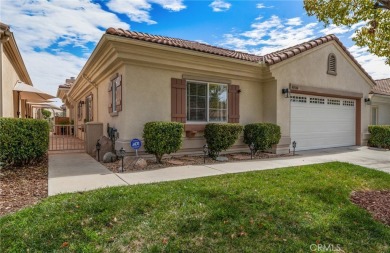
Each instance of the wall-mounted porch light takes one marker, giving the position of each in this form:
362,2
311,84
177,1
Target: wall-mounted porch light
285,92
367,101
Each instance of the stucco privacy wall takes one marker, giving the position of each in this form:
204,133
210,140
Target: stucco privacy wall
310,69
147,92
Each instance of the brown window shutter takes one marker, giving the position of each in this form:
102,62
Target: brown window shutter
110,97
118,95
178,100
234,104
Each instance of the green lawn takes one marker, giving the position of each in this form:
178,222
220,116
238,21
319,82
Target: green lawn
283,210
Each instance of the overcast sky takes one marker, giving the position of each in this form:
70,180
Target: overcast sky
56,37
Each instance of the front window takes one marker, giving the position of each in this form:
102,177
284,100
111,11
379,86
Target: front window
374,116
206,102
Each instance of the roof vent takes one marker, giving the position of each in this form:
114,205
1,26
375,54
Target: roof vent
332,67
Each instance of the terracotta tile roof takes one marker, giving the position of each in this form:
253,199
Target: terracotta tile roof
185,44
270,59
382,87
64,86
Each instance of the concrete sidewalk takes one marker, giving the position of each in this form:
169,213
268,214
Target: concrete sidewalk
78,172
73,172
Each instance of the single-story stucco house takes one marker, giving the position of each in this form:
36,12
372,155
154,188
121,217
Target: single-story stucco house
314,91
380,102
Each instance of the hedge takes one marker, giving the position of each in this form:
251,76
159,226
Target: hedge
220,137
162,138
380,136
23,141
262,135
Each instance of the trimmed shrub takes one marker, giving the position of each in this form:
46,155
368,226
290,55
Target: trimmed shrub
162,138
262,135
380,136
23,141
220,137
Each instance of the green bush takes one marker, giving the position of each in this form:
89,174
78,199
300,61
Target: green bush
220,137
162,138
380,136
23,141
262,135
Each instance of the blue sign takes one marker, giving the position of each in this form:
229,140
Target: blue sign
135,144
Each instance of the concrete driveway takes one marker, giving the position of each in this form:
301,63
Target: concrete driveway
79,172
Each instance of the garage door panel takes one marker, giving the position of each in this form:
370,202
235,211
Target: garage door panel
328,122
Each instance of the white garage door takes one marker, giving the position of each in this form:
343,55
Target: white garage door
322,122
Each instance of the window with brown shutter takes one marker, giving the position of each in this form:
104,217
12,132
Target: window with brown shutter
115,95
118,95
234,104
89,108
110,109
178,100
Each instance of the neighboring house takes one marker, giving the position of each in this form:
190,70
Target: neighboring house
12,70
314,91
62,93
380,103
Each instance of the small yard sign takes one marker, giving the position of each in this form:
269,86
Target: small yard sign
135,144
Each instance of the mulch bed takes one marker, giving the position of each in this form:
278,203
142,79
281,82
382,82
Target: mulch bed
377,203
169,161
22,186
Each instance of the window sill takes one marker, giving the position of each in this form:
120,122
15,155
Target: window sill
113,114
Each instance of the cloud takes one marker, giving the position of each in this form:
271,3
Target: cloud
41,24
262,6
294,21
334,29
138,10
220,5
44,30
373,64
270,35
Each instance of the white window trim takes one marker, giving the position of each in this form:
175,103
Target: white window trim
207,103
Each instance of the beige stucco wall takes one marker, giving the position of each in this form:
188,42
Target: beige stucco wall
310,69
147,97
383,105
9,79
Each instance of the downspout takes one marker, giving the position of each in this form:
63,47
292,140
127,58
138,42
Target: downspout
97,95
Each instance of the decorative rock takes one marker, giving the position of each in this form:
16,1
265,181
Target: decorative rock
222,159
140,164
241,157
187,158
109,157
175,162
133,163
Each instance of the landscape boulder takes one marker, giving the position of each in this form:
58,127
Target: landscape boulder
133,163
109,157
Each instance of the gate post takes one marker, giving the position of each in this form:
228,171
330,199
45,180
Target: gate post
93,131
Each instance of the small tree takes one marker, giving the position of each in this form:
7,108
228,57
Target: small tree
262,135
220,137
162,138
46,114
